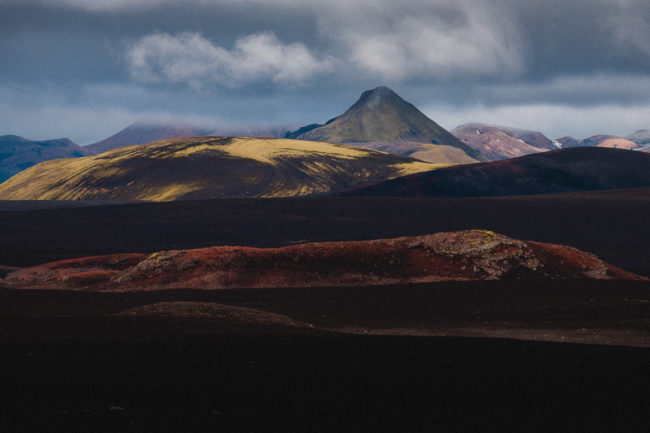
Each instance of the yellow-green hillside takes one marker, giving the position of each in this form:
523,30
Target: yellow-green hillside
209,167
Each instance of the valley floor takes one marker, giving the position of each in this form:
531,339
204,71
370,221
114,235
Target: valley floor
611,224
373,360
445,357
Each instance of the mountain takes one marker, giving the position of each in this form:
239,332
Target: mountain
566,170
610,141
602,140
500,142
567,142
209,167
462,255
18,153
382,120
142,133
640,137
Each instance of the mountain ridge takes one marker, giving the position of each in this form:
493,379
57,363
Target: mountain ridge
143,133
209,167
18,153
638,141
502,142
565,170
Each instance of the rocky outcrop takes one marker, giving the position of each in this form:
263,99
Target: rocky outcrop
463,255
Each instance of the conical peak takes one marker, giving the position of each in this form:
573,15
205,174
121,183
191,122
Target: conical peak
380,91
375,96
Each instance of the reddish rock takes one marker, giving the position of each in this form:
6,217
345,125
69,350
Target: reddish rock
464,255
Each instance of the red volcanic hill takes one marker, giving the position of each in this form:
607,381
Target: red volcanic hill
463,255
566,170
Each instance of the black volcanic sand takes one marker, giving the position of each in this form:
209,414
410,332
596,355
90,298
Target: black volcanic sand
68,363
610,224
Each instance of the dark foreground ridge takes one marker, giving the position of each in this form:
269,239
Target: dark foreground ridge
566,170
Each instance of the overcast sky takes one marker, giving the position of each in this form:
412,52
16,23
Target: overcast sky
84,69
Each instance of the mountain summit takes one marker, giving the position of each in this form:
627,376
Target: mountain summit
382,120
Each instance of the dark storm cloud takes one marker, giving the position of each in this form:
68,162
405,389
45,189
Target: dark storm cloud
582,36
298,61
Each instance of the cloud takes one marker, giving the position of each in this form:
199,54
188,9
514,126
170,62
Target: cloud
190,58
96,111
102,5
578,90
48,113
431,40
630,25
554,120
87,124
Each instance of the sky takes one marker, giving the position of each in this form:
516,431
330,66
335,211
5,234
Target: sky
84,69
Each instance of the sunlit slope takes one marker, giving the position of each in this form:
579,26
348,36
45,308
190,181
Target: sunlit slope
209,167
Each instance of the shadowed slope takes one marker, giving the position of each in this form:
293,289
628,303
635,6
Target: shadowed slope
18,153
209,167
567,170
464,255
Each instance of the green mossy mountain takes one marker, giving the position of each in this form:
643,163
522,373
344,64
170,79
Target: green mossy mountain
207,168
382,120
